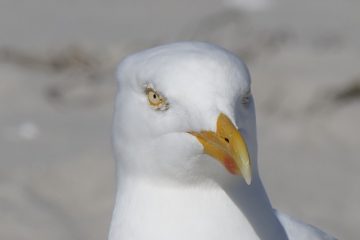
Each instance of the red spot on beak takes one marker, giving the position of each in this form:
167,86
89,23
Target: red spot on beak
230,165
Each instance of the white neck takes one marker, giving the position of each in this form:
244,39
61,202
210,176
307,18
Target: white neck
147,210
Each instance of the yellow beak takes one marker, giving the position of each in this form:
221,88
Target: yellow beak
227,146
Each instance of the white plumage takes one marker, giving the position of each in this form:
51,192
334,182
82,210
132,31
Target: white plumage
168,186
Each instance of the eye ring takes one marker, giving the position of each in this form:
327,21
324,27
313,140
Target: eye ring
156,100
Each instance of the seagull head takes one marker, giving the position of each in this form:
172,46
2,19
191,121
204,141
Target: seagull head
184,112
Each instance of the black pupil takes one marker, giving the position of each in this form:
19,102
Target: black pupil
227,140
154,96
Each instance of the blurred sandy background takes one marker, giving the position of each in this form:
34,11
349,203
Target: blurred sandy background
57,61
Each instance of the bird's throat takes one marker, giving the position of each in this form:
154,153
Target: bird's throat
145,210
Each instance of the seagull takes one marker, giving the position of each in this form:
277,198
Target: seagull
184,139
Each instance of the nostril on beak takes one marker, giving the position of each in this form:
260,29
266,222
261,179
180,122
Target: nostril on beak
227,140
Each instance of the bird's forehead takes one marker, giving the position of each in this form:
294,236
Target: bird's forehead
199,74
186,72
198,80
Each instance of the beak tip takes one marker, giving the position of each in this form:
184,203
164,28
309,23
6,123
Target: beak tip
246,173
248,181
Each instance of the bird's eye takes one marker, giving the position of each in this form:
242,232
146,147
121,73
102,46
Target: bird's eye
245,100
156,100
